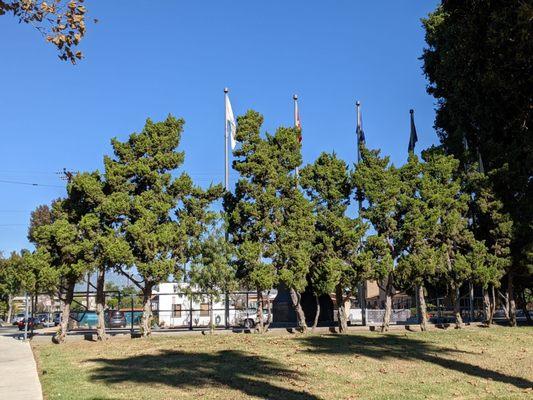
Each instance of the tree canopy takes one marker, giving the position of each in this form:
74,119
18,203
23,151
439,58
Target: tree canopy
61,22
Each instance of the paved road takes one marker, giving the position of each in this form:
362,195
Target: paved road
18,372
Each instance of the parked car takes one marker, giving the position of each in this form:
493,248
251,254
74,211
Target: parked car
46,319
33,323
248,317
57,319
17,318
116,319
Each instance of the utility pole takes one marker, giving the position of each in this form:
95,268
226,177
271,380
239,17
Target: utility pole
26,316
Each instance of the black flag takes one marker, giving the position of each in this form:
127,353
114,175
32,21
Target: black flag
359,131
413,138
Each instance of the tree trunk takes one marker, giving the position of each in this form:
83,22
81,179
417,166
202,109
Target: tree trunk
456,295
100,305
505,305
341,312
486,307
388,305
523,306
61,335
492,304
9,308
511,299
317,313
300,316
260,323
422,310
266,324
146,320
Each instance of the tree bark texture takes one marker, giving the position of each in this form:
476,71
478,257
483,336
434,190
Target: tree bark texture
422,310
486,307
456,296
100,305
300,316
341,312
317,312
146,320
61,335
260,323
266,324
388,305
9,308
511,299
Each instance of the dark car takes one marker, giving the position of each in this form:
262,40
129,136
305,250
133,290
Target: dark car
116,319
33,323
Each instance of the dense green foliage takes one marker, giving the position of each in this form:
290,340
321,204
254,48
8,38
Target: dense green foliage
269,220
479,65
334,254
156,213
432,223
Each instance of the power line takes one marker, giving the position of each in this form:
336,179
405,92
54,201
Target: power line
30,184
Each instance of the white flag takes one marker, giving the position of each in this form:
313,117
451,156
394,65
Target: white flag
231,125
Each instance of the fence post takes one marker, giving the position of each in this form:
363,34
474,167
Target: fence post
471,294
417,305
190,313
247,302
226,311
26,316
131,321
33,311
438,310
362,301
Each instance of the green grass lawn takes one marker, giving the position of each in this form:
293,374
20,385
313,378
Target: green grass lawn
474,363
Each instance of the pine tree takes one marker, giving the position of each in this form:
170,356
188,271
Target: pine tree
478,63
337,237
492,225
64,254
157,211
269,220
98,214
379,183
417,263
459,252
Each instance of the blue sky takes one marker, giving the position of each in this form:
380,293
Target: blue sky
151,58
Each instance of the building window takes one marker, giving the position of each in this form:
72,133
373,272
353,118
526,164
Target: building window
176,311
204,310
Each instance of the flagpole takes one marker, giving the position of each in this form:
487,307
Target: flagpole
226,144
411,150
411,146
358,108
226,185
295,98
362,286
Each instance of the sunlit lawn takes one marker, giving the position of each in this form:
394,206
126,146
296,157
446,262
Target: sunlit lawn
469,364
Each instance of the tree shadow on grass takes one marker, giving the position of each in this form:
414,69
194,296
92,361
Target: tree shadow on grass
394,347
252,375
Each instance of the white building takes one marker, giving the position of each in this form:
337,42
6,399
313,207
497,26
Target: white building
177,309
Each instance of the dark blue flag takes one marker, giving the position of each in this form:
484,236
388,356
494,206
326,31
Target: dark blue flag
413,137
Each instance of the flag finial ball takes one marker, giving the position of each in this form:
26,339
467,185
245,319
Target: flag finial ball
411,111
226,90
295,97
357,103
